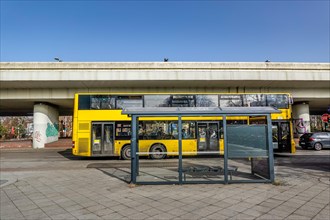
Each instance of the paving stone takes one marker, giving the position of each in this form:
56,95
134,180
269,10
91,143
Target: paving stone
269,217
112,216
190,216
13,216
227,212
217,216
118,208
79,212
89,216
305,213
165,207
32,212
163,216
126,212
138,216
321,217
238,207
95,208
292,204
22,202
294,200
63,216
241,216
231,201
103,212
87,204
26,207
142,208
253,212
40,216
315,204
280,213
203,211
152,212
178,212
298,217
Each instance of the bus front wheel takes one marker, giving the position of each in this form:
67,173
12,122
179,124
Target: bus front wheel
126,152
158,151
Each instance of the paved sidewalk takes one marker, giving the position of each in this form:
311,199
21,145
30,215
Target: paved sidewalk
87,193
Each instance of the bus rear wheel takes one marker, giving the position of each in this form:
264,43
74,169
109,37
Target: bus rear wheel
158,151
126,152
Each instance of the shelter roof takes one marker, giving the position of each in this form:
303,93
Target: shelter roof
198,111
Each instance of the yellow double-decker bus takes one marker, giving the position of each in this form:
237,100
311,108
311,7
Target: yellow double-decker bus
99,128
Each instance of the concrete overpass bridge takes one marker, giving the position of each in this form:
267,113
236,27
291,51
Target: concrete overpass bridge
23,86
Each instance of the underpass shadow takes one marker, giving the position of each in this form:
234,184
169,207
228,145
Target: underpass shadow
67,153
119,170
118,173
310,162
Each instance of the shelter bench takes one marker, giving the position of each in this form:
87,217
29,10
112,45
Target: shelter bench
206,171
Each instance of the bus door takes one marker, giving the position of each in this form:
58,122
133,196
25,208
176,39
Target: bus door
208,136
281,136
102,138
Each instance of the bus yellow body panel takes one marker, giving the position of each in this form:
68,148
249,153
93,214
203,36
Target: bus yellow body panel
84,119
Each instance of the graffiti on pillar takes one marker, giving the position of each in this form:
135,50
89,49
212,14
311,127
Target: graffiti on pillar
52,130
299,127
37,136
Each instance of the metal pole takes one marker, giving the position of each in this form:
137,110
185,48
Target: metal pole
270,149
225,148
133,150
137,156
180,148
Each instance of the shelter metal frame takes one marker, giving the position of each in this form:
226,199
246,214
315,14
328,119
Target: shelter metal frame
179,112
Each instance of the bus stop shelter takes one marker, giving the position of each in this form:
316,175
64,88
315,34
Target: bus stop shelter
247,154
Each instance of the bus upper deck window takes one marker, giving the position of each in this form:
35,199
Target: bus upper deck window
84,102
206,100
102,102
231,100
129,101
182,101
278,100
156,100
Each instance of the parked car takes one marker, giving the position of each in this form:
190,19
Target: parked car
316,140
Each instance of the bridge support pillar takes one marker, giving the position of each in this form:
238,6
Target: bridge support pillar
301,119
45,122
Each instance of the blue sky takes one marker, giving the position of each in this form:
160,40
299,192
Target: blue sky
188,31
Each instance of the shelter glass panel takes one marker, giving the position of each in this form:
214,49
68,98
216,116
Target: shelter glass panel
248,152
202,159
158,140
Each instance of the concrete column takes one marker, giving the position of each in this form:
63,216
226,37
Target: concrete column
301,119
45,125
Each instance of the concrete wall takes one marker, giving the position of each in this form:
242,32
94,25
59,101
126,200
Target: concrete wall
56,83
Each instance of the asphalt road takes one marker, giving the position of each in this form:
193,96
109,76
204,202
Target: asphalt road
45,159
